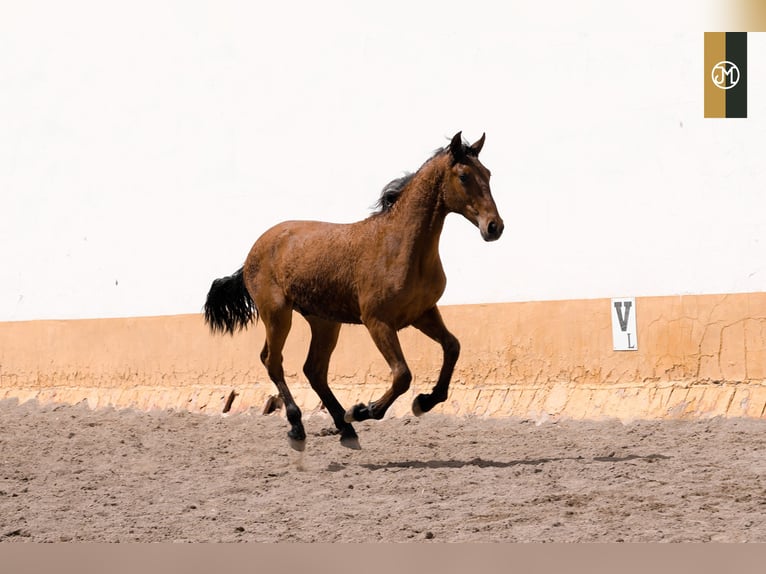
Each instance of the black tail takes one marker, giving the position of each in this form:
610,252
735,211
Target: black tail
229,307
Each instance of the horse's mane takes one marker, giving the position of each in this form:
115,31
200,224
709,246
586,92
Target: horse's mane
394,188
391,192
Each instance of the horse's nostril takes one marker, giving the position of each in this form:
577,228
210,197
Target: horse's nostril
492,228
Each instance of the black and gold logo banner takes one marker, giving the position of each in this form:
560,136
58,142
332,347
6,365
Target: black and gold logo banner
725,74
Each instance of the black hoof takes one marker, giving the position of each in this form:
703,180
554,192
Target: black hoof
358,413
424,403
421,404
349,439
295,444
297,438
351,442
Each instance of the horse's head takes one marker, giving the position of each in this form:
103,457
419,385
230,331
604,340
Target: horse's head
467,188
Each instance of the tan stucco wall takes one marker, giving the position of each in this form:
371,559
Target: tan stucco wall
698,356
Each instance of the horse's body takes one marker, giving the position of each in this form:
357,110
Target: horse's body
383,272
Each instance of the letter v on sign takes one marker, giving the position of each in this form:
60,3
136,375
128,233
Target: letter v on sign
624,331
623,317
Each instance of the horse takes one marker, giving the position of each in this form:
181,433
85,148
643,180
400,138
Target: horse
383,272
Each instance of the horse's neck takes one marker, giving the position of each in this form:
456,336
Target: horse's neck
420,214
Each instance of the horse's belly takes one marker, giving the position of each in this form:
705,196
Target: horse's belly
326,301
338,316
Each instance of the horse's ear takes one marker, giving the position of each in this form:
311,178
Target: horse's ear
476,147
456,146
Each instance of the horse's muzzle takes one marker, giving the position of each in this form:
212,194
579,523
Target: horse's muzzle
492,230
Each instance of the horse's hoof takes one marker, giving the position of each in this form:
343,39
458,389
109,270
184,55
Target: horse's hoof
416,409
351,442
295,444
358,413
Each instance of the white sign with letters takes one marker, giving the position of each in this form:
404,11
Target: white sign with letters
624,331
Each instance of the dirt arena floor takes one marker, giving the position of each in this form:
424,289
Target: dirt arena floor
71,474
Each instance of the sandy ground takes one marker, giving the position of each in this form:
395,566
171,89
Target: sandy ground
71,474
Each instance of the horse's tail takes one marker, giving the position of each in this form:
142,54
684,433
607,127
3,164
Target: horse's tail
229,307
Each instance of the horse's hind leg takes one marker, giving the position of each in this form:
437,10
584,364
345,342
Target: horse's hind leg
277,323
432,325
324,337
385,338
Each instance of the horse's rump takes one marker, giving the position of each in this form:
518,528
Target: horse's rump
312,263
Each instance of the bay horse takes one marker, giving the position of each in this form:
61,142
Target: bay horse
383,272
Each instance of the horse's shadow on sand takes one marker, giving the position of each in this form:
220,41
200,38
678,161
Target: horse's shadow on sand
483,463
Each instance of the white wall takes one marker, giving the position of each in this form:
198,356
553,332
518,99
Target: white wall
145,145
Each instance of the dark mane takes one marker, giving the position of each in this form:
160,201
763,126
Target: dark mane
393,189
391,192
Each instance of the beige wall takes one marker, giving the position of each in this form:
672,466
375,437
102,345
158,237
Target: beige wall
698,356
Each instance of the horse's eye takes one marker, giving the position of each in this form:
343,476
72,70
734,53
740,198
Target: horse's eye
463,178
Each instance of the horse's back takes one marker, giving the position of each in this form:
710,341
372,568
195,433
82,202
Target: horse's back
302,246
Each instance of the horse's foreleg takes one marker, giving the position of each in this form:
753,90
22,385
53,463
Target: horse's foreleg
387,341
277,325
432,325
324,337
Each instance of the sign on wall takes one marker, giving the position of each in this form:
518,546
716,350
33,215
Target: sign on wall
725,74
624,330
